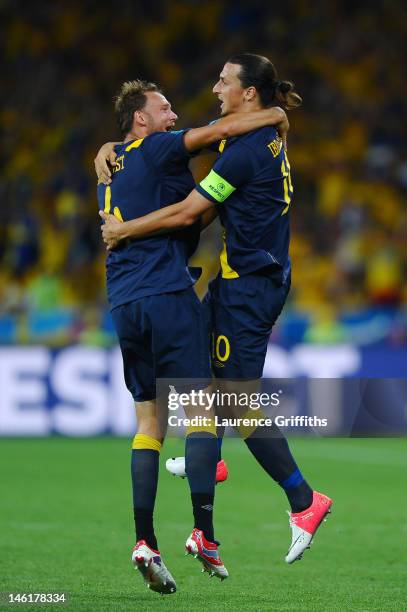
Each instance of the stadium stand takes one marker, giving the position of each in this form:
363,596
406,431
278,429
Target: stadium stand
347,147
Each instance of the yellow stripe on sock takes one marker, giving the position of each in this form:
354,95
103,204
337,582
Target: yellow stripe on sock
141,441
209,426
254,416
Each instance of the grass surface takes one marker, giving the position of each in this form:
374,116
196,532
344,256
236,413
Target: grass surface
66,525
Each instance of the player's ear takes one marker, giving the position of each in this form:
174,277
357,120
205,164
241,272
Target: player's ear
250,94
139,118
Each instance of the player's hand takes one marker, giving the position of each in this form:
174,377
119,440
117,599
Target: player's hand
104,161
110,230
282,129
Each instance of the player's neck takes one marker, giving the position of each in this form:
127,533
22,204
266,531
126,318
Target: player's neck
135,134
248,106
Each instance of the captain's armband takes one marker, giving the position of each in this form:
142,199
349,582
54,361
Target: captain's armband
217,187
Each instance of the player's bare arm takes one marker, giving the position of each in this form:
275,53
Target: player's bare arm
234,124
167,219
104,160
237,124
111,231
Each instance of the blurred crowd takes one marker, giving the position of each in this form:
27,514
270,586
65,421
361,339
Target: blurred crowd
62,64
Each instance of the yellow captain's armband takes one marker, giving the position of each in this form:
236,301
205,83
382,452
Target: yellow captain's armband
217,187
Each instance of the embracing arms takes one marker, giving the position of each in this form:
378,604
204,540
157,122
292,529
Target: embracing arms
234,124
167,219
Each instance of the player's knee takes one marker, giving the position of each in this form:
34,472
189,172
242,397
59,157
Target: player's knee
249,422
150,427
150,422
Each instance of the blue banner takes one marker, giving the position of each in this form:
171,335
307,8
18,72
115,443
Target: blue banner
80,391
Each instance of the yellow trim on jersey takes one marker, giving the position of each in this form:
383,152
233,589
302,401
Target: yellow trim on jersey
108,195
142,441
227,271
134,144
117,213
222,145
254,417
288,186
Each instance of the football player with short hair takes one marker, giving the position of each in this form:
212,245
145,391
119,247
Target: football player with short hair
156,313
250,185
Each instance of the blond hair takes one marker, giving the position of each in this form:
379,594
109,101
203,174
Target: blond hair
130,98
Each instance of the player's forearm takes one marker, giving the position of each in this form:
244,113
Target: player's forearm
161,221
240,123
235,125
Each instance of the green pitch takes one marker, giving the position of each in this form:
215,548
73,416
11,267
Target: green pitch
66,525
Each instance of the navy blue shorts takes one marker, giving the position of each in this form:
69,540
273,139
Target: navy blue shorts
241,313
162,336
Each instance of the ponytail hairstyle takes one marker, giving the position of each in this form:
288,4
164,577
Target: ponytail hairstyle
257,71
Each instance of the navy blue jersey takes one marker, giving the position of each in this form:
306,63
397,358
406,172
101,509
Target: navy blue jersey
152,172
251,182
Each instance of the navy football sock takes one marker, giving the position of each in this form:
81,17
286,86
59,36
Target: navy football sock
143,520
201,458
220,441
298,491
270,448
144,474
